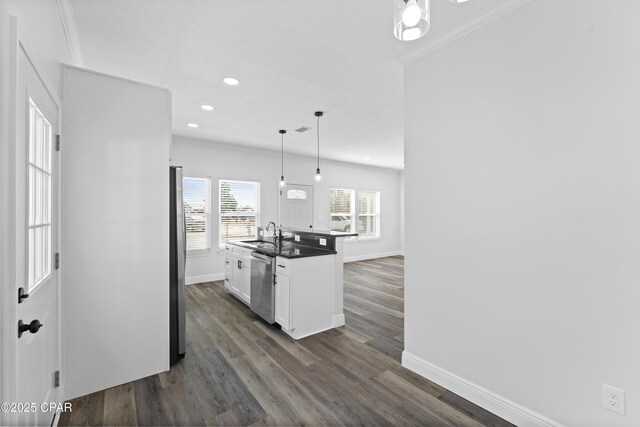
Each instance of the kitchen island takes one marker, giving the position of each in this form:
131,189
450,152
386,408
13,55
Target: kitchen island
293,280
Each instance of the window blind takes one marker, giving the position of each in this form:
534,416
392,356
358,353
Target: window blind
239,210
197,210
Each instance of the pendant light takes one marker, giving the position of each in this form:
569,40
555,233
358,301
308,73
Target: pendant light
318,176
412,18
283,182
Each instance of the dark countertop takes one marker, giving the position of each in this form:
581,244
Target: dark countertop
287,249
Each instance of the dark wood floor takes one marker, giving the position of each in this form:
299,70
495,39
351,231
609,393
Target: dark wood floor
241,371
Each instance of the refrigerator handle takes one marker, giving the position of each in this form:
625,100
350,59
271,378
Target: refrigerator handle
184,239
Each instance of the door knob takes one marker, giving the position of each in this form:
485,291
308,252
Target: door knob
32,327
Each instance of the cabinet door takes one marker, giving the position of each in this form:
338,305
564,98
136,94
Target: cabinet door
245,288
283,301
236,274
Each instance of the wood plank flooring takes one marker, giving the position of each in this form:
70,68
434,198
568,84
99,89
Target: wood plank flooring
241,371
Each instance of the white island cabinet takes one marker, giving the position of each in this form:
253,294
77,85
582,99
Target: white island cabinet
305,294
237,272
306,297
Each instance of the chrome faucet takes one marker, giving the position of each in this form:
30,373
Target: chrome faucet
274,228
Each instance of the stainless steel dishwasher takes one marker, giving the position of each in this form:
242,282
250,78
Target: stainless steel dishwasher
263,294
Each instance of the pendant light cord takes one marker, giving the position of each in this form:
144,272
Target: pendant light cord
318,132
282,154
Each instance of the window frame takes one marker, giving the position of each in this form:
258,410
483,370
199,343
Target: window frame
258,213
355,215
46,201
376,215
208,221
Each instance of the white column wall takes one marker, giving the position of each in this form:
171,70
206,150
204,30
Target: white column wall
115,245
522,175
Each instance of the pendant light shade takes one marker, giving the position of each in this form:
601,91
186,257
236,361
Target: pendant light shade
283,182
318,176
411,19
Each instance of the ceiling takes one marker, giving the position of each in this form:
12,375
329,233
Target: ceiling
292,58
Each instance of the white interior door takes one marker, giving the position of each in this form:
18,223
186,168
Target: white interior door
296,206
36,244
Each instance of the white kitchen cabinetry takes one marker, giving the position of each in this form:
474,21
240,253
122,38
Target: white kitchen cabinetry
237,272
283,301
305,296
245,269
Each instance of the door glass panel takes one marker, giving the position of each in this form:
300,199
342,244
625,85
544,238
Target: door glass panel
39,210
297,194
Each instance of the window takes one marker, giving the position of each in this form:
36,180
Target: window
197,212
39,184
239,210
345,213
342,209
369,214
297,194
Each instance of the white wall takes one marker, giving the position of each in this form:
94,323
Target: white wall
40,24
205,158
115,245
401,213
522,175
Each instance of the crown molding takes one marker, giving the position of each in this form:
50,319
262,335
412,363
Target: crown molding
70,31
469,26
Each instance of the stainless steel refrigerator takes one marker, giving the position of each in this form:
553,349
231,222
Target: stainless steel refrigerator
178,257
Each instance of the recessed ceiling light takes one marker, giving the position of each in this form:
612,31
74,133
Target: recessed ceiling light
231,81
192,125
367,158
206,107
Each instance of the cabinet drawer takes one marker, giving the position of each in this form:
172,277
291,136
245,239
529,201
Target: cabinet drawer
283,266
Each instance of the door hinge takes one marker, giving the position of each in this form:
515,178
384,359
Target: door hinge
56,379
57,142
56,261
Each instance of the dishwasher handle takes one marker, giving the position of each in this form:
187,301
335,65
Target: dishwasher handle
261,258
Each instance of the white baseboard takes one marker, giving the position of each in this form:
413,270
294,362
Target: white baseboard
372,256
492,402
338,320
204,278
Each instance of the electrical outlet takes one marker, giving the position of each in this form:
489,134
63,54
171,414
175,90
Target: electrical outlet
613,399
297,237
323,242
